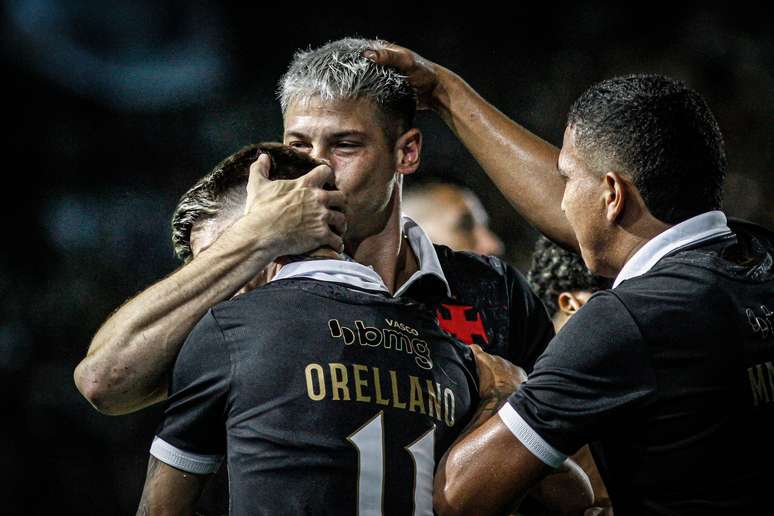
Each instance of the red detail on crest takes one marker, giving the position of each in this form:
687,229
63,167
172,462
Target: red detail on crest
460,325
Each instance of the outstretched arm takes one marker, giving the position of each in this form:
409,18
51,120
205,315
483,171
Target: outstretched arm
127,363
521,164
169,491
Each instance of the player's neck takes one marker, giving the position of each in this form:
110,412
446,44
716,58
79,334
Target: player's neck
388,253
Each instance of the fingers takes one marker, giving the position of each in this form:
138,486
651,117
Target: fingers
259,174
395,56
334,199
318,177
337,221
335,242
476,349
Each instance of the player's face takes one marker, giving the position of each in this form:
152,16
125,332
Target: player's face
349,136
462,224
583,203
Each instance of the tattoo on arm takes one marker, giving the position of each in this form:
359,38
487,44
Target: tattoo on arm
488,407
153,467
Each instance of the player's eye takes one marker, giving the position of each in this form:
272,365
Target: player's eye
348,144
299,145
466,223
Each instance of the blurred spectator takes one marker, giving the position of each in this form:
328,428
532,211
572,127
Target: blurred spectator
452,216
561,280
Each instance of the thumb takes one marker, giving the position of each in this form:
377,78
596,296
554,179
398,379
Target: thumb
259,175
319,176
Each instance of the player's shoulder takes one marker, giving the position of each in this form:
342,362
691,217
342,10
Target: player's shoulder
684,278
606,317
467,263
295,297
262,302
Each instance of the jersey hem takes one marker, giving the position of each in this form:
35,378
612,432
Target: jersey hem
529,438
183,460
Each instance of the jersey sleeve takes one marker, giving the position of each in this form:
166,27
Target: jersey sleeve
596,368
192,436
530,327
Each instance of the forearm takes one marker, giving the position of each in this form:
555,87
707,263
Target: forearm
566,491
521,164
585,460
129,357
485,471
169,491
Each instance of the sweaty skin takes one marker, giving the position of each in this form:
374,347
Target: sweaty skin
482,445
521,164
126,366
525,169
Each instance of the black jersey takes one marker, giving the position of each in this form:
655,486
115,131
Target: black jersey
325,399
673,373
491,305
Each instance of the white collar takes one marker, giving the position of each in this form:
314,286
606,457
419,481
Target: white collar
701,227
429,265
352,273
343,271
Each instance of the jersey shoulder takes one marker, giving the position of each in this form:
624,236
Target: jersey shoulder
468,263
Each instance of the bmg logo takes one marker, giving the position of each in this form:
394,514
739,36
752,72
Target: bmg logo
387,338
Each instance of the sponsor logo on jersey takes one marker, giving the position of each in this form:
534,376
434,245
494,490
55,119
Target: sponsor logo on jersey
464,323
399,338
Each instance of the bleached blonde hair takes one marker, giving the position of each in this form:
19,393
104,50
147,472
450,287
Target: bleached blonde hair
337,71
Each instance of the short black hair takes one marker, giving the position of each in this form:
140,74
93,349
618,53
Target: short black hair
555,270
662,134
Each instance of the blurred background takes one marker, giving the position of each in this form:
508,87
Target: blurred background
113,109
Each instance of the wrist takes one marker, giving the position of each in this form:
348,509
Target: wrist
249,238
439,100
449,92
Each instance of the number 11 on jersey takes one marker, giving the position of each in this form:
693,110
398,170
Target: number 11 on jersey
368,440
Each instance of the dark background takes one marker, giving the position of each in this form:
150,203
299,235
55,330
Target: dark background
113,109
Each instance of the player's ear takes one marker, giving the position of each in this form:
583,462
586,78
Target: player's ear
569,303
616,190
408,150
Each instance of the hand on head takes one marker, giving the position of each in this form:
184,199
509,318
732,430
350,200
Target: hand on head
421,73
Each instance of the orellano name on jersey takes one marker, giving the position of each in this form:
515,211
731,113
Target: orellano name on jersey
398,337
378,385
388,388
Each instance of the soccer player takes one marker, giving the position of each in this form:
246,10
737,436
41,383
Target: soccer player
327,394
358,117
564,284
671,370
452,216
